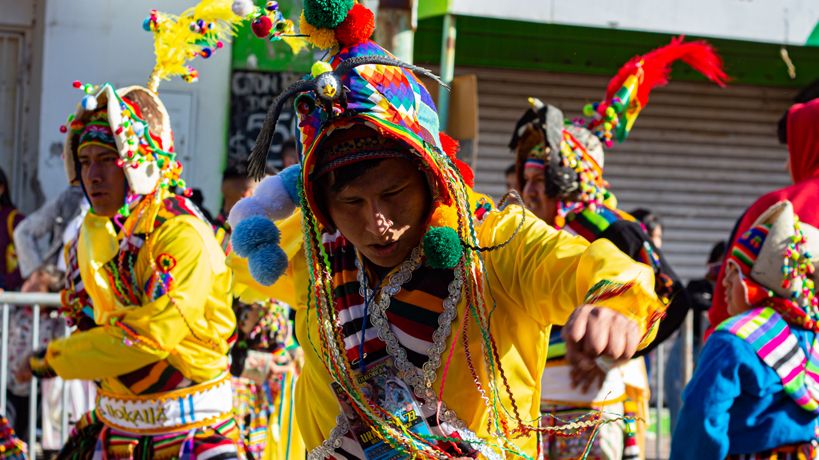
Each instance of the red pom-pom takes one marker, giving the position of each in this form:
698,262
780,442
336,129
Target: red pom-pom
76,84
466,172
449,144
357,28
262,26
63,129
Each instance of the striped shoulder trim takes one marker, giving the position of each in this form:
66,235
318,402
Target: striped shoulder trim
771,338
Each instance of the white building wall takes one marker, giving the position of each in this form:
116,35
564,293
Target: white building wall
95,41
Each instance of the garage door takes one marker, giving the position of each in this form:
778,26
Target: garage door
698,155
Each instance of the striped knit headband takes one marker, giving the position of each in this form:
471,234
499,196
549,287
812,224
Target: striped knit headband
746,249
96,131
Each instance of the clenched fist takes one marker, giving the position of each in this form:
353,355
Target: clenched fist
595,332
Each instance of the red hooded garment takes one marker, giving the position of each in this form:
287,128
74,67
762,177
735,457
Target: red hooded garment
803,149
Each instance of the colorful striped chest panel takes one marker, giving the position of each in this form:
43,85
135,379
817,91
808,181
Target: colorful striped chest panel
771,338
413,310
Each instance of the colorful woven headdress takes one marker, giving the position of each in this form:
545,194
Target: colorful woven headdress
137,118
571,155
776,258
572,152
361,85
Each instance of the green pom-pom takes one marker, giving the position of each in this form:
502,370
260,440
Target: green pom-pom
588,110
610,113
327,14
442,248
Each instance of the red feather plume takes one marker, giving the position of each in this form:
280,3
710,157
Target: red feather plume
656,66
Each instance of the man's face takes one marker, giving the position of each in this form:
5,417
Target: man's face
383,212
234,189
734,291
103,180
534,194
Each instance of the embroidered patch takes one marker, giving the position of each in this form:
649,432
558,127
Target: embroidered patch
606,289
165,262
161,281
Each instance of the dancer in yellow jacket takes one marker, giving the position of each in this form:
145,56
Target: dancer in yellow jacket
423,312
148,286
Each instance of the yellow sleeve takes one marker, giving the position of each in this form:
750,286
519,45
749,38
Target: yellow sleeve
548,273
133,336
291,287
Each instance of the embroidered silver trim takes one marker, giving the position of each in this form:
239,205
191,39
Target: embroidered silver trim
333,442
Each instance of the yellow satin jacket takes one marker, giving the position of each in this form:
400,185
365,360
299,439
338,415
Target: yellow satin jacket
167,305
534,282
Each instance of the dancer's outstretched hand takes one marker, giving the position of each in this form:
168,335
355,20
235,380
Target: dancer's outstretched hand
595,332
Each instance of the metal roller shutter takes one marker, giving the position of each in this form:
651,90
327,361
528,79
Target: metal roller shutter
698,155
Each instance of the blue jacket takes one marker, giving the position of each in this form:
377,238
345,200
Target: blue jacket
735,404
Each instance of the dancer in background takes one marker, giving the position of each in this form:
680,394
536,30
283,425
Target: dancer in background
147,285
798,130
560,167
755,392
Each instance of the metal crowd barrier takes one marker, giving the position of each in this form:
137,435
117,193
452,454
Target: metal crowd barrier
36,301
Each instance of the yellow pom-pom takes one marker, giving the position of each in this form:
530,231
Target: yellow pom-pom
321,38
444,216
320,67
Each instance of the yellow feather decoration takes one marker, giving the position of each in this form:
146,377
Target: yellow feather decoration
198,31
296,44
321,38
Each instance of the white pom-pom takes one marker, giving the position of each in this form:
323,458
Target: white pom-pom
270,199
242,7
272,195
89,102
244,208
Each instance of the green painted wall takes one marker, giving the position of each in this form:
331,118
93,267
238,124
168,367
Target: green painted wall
431,8
484,42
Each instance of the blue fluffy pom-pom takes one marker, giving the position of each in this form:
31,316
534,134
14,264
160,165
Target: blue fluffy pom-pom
252,233
267,263
290,179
